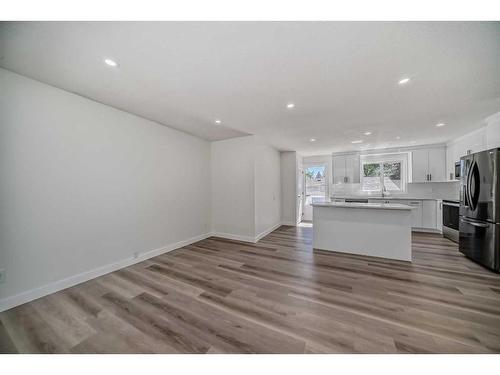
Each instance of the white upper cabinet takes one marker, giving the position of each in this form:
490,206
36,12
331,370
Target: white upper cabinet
345,168
338,166
437,164
420,165
429,165
352,168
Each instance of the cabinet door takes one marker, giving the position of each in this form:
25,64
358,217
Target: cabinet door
439,215
420,165
352,168
451,158
416,214
429,215
437,164
339,169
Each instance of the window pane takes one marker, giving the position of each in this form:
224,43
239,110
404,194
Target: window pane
392,176
371,177
371,169
316,181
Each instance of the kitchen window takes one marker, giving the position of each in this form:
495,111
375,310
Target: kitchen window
381,173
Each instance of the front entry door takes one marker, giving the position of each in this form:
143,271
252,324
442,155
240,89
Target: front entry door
315,186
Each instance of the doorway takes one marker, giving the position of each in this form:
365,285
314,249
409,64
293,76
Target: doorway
315,187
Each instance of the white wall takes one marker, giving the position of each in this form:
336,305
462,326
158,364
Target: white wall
484,138
493,131
474,141
85,186
246,192
233,188
289,186
267,188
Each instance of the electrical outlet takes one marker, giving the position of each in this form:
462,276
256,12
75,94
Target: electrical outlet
2,275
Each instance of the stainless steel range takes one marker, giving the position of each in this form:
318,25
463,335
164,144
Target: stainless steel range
479,223
451,219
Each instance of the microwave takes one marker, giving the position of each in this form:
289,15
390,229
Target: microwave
457,170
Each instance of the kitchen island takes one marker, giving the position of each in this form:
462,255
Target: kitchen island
374,229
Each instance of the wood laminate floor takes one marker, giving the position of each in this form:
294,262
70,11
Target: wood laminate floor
276,296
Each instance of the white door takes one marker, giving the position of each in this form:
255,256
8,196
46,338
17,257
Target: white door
420,165
437,165
315,186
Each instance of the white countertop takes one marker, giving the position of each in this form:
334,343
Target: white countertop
396,198
375,206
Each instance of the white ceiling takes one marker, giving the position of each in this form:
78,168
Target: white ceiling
342,76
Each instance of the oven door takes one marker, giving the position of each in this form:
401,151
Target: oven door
450,215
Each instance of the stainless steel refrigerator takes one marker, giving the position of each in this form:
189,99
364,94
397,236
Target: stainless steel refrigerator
479,224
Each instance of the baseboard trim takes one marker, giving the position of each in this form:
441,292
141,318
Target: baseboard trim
290,223
238,237
267,231
56,286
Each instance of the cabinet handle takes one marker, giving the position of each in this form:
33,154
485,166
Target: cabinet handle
430,177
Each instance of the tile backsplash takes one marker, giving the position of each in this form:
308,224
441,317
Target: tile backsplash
436,190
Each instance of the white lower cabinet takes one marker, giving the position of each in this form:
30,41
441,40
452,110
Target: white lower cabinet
429,214
425,213
439,215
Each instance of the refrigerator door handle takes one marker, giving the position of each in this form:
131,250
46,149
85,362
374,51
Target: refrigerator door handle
475,224
467,187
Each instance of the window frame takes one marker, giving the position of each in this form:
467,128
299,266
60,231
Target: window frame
380,159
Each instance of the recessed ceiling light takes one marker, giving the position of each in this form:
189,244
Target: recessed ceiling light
312,140
440,124
357,141
110,62
398,137
404,81
218,122
290,105
368,133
